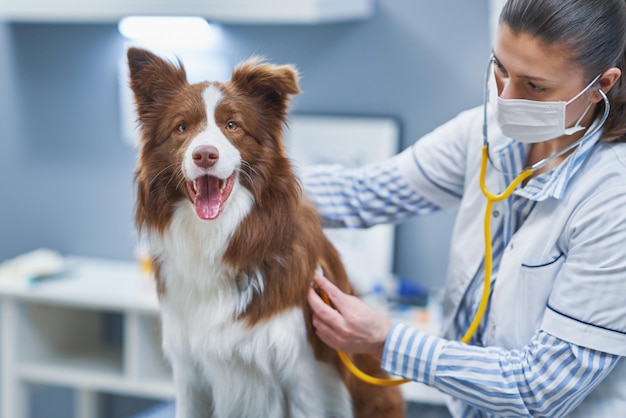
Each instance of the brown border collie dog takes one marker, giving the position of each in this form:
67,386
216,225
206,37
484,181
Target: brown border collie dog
235,247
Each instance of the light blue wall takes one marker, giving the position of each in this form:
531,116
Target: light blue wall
66,177
68,182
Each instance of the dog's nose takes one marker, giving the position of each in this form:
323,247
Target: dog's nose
205,156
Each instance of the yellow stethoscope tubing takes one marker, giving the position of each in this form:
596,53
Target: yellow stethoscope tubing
491,199
354,369
366,377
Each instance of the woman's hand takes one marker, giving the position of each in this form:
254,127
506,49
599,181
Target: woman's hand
353,326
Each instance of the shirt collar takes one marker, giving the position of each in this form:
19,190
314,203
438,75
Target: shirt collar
552,183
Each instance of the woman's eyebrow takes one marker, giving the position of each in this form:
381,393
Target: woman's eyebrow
526,77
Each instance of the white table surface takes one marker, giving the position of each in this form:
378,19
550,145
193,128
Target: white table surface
114,285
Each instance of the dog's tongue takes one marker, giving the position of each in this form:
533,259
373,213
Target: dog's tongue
208,201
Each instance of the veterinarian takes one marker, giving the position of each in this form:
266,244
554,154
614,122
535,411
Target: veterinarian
546,157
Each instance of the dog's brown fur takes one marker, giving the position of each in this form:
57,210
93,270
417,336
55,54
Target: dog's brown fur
282,236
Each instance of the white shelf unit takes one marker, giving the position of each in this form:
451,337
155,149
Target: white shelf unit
54,333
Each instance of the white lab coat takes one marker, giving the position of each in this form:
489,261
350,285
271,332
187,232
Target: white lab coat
564,270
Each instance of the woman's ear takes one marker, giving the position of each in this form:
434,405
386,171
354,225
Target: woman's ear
607,81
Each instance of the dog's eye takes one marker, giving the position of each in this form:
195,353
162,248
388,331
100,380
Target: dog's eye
231,126
181,128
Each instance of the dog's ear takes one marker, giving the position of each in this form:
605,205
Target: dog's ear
273,84
152,77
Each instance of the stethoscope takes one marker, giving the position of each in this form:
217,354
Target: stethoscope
492,197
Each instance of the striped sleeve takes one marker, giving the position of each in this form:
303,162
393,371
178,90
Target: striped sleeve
547,378
426,177
363,197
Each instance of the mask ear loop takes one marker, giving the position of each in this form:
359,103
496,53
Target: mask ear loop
598,126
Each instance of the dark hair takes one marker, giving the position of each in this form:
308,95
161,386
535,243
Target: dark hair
592,31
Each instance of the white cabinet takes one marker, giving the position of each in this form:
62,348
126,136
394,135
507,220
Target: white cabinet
55,333
228,11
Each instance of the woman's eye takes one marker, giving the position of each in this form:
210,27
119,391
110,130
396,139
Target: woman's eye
499,68
231,126
535,87
181,128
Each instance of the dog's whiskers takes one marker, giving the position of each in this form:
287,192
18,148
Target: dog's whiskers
182,178
175,174
156,176
250,170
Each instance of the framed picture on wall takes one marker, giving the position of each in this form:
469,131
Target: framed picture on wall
351,142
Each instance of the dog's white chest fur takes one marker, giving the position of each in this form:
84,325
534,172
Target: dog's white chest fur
221,364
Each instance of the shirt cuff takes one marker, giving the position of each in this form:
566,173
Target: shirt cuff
411,353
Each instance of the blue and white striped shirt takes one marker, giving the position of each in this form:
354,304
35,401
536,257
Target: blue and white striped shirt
547,377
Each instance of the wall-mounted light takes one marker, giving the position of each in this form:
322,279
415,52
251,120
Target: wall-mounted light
170,31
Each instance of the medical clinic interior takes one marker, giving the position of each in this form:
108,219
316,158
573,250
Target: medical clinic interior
79,312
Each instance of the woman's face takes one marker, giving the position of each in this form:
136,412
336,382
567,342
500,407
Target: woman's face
527,69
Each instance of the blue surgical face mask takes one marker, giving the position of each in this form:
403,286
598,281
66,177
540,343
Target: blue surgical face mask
531,121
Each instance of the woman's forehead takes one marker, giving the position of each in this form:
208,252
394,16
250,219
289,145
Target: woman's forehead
523,55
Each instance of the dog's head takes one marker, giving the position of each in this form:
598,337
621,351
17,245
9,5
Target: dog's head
202,143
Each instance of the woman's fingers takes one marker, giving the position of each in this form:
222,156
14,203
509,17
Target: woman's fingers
351,325
325,319
322,310
336,296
